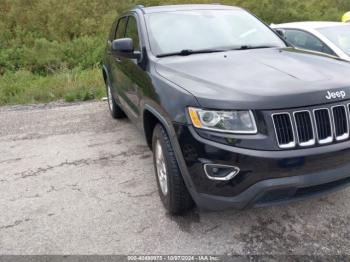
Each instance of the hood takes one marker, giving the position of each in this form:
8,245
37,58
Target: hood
259,79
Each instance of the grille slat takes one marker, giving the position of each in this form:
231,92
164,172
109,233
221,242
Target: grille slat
323,126
340,122
304,127
284,130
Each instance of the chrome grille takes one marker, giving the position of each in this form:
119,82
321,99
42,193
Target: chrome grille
310,127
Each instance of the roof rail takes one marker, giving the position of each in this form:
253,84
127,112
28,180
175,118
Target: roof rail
139,6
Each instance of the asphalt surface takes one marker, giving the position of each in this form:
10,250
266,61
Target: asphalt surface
74,181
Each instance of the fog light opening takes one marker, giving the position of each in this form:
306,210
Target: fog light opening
221,172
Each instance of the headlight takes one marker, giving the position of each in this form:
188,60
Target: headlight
223,121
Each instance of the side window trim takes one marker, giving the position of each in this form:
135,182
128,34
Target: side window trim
316,37
118,24
138,27
113,30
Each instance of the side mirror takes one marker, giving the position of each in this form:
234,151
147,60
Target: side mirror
124,47
280,32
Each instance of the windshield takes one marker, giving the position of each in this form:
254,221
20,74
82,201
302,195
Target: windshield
339,35
172,32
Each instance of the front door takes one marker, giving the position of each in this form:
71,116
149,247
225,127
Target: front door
128,75
117,76
132,69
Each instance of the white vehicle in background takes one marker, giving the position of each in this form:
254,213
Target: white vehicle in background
332,38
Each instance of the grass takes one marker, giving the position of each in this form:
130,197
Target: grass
24,87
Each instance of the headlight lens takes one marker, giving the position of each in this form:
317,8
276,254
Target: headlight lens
223,121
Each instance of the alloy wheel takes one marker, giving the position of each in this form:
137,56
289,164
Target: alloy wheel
161,168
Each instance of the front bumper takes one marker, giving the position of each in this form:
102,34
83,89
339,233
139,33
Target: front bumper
265,178
279,190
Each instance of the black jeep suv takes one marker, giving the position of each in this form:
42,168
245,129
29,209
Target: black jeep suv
234,116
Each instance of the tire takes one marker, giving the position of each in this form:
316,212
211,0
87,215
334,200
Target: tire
114,108
175,196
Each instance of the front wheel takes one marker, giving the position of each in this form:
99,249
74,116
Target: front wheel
171,187
114,108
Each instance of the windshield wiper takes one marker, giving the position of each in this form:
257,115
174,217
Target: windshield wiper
246,47
187,52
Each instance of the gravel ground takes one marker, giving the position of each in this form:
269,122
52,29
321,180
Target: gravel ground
74,181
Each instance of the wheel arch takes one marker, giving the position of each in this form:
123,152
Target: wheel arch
105,74
149,123
151,117
148,130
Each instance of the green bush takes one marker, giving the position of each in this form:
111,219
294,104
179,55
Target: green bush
47,57
51,49
45,36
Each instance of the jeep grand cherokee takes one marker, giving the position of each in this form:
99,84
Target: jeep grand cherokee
234,116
